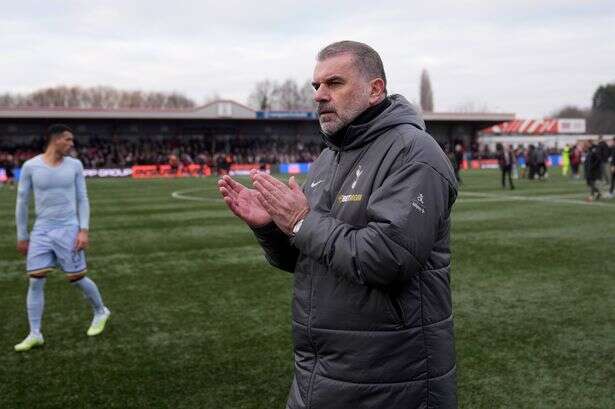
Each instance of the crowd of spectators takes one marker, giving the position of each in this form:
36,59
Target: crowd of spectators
99,153
532,160
477,151
16,157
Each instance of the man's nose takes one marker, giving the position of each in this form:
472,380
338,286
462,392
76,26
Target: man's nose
321,94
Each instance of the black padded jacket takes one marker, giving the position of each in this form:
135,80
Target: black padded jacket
371,313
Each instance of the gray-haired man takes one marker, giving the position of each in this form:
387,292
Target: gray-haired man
368,241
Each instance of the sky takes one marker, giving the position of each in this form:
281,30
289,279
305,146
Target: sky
524,57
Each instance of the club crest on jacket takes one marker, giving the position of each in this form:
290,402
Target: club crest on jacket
358,174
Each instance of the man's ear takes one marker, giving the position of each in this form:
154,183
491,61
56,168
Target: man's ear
376,90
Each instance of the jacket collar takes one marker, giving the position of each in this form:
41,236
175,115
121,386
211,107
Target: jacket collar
374,121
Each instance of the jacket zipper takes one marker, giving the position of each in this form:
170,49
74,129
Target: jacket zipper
309,327
337,166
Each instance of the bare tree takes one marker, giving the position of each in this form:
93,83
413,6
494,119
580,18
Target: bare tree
75,97
131,99
570,111
471,106
287,96
96,97
154,100
306,94
7,100
211,97
176,101
262,96
270,95
101,97
426,92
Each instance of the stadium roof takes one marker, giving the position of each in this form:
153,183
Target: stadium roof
221,109
468,116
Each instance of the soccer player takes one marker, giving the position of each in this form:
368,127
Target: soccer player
60,232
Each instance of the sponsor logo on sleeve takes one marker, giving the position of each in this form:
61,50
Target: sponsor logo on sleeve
419,204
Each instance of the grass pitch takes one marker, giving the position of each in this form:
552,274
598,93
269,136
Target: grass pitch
201,321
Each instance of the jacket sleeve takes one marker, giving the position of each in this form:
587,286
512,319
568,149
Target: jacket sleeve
404,216
278,250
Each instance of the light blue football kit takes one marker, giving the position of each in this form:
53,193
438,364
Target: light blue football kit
62,208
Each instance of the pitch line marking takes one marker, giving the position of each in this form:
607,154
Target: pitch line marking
181,195
475,197
493,197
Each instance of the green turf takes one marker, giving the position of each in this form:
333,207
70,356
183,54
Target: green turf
200,321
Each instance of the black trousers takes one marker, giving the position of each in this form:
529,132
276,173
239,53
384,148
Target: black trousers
507,170
542,169
593,190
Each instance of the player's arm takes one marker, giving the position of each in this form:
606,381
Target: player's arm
83,209
21,208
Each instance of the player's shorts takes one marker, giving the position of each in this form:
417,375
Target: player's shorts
55,247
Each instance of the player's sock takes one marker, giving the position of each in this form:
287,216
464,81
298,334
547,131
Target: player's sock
91,293
35,302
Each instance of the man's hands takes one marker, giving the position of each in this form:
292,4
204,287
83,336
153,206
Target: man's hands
285,204
83,240
243,202
22,246
270,200
81,243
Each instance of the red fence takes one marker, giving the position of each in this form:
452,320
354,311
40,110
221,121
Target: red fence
165,171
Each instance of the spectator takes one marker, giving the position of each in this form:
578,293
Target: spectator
540,161
603,152
593,170
575,160
506,160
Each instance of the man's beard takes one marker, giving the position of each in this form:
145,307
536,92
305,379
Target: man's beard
338,120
